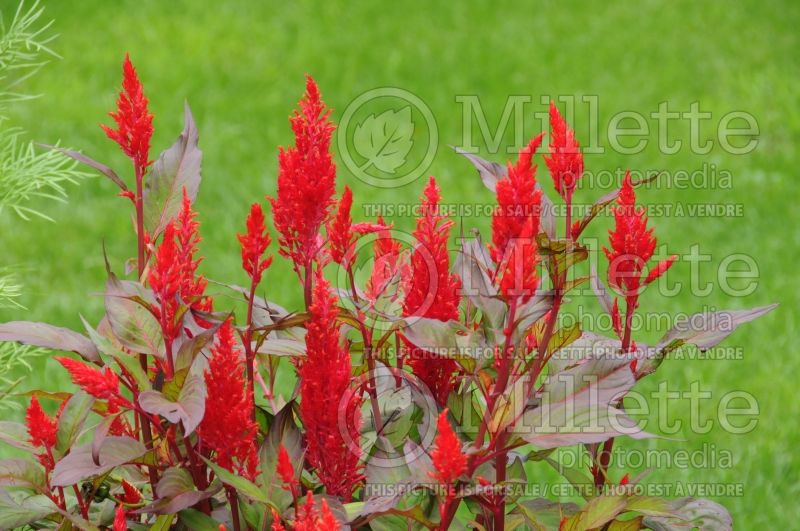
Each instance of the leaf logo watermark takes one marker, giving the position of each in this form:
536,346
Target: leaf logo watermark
387,137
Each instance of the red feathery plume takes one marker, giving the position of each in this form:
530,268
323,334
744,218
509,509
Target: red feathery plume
389,261
254,243
518,201
632,245
165,279
227,427
41,428
285,470
131,494
192,285
102,384
340,230
134,121
308,519
276,521
306,181
448,458
120,523
565,161
324,384
431,291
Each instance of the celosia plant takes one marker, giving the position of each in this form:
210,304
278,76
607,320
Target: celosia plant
425,390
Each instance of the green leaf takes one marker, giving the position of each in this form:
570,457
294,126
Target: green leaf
282,431
700,514
175,169
597,512
71,420
18,509
129,362
385,139
16,435
48,336
197,521
163,523
544,515
242,485
22,473
133,324
188,409
79,464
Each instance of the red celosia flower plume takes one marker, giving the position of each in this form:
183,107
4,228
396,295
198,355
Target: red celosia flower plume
515,225
102,384
340,231
130,494
632,245
165,280
325,381
309,519
431,291
306,181
449,460
390,262
133,119
120,523
192,285
254,243
41,428
228,428
285,470
565,161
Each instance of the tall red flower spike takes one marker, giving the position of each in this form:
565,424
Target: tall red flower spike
565,161
130,494
449,460
120,523
632,245
254,243
340,230
165,278
41,428
518,201
309,519
306,181
102,384
432,291
133,119
228,428
285,470
325,380
192,285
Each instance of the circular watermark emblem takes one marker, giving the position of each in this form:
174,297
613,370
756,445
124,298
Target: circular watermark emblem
398,414
388,137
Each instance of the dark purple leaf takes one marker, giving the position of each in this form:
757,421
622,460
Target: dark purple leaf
79,465
102,168
188,409
48,336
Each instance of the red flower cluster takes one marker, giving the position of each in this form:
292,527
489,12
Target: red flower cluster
389,261
306,181
102,384
340,231
632,245
134,121
285,470
254,244
448,458
120,522
309,519
192,286
324,390
228,428
515,225
42,431
431,291
565,161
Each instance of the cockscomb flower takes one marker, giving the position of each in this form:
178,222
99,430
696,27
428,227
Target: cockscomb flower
518,203
165,278
431,291
518,277
565,161
340,231
309,519
133,119
285,470
306,181
102,384
254,243
632,245
325,380
130,494
120,522
228,428
449,460
192,285
41,428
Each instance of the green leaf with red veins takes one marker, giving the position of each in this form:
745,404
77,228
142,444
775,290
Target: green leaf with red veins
188,409
48,336
71,420
79,465
133,324
19,508
175,169
22,473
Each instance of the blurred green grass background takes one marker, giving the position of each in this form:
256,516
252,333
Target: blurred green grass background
241,64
